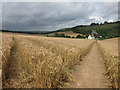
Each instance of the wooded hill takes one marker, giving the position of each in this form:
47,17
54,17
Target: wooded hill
107,30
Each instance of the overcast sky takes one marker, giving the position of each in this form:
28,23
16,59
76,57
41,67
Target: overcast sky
48,16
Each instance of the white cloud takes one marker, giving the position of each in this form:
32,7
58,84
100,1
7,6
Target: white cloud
110,20
100,19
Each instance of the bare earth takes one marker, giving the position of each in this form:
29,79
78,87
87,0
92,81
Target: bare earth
91,72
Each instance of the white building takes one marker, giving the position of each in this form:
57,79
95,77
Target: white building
90,37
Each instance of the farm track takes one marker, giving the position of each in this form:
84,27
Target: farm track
10,63
11,59
91,72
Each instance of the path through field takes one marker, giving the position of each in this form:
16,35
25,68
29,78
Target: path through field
91,72
29,57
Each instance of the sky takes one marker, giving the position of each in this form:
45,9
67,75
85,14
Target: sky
50,16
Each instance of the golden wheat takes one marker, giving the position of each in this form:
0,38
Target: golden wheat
109,50
6,49
40,62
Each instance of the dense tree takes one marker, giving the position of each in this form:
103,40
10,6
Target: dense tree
105,22
94,24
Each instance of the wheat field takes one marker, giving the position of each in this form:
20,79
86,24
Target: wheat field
109,50
46,62
40,62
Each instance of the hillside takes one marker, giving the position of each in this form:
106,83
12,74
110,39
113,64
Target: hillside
107,30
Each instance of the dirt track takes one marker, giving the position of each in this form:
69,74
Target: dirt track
91,72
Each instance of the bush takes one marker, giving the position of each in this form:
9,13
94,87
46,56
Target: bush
79,36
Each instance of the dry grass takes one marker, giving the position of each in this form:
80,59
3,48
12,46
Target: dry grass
0,50
40,62
0,60
6,49
109,50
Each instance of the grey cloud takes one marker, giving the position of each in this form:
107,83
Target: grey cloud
53,15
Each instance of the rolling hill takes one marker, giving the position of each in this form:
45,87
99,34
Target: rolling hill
107,30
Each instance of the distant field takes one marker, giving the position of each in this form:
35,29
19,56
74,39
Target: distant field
68,33
40,62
